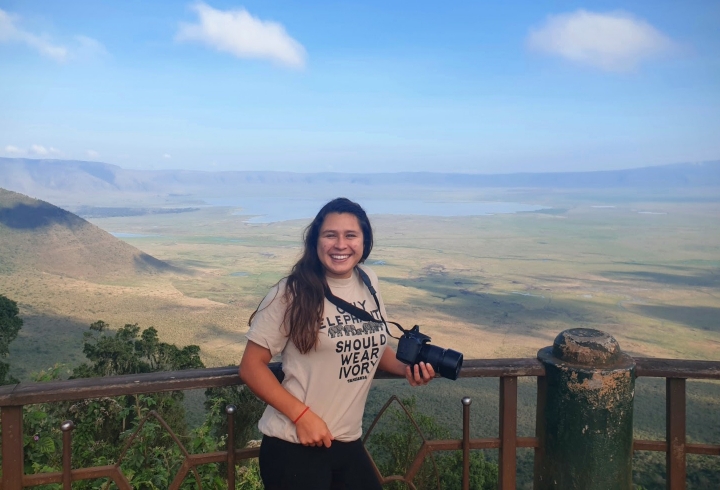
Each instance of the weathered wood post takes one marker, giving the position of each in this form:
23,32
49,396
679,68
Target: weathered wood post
588,437
13,466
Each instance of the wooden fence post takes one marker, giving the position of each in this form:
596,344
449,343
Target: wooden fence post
675,435
12,448
508,433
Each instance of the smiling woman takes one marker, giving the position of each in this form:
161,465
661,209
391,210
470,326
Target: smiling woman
340,247
313,422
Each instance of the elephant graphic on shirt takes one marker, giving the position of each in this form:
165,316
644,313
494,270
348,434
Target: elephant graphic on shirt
370,327
351,330
335,331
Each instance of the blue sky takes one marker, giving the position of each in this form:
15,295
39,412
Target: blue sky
480,87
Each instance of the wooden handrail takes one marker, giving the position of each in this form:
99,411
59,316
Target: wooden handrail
131,384
77,389
653,367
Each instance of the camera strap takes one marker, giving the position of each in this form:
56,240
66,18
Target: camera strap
359,312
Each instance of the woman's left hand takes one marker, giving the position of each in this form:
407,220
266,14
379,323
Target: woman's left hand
420,374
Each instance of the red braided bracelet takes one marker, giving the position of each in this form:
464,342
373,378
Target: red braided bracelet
301,414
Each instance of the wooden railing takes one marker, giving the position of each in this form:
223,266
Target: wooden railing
14,397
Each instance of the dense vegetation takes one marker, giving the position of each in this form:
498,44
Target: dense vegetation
105,426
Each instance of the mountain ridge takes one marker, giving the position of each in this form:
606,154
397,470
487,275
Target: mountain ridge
39,177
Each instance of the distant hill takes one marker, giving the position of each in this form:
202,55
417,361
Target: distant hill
38,236
46,178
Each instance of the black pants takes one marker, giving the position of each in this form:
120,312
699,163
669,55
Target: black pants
288,466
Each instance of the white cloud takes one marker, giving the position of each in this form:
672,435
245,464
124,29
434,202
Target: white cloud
239,33
40,150
610,41
84,47
92,153
9,32
167,156
13,150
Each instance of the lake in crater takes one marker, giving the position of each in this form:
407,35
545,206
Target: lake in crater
271,210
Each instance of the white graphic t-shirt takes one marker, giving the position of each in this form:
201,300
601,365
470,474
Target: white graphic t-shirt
334,378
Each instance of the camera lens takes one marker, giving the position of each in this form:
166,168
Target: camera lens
446,362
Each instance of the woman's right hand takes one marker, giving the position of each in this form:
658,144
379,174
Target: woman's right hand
313,431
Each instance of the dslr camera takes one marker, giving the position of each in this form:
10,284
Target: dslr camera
414,347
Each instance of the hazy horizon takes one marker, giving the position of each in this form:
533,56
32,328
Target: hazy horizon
358,171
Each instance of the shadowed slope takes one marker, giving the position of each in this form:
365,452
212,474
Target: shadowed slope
23,216
39,236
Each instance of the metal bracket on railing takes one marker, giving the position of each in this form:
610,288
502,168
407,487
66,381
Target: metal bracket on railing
67,427
466,401
230,411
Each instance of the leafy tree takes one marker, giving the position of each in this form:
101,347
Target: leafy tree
10,324
131,352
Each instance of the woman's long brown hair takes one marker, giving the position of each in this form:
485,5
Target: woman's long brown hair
305,287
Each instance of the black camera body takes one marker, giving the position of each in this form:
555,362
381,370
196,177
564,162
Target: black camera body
414,347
